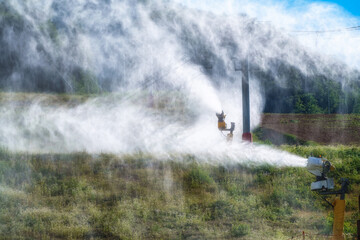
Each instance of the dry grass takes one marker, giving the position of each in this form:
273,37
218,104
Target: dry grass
79,196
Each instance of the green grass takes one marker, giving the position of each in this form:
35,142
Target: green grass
82,196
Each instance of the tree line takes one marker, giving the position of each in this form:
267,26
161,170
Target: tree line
314,94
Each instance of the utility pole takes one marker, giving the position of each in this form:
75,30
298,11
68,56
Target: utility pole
246,136
243,67
358,224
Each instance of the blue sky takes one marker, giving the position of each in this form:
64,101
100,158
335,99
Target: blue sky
352,6
345,12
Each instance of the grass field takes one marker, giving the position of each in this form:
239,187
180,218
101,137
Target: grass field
81,196
105,196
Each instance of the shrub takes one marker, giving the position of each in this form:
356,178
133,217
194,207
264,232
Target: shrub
220,209
240,230
197,178
306,103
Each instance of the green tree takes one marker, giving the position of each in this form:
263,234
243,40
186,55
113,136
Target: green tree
306,103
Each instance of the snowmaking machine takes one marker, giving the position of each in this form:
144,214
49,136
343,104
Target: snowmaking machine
323,185
223,126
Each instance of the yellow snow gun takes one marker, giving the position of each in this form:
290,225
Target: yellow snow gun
223,126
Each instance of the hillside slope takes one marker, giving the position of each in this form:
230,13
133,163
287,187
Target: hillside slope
320,128
82,196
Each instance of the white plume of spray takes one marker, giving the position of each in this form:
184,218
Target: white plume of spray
151,40
321,27
100,125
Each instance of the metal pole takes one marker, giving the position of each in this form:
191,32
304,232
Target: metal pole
339,216
246,101
339,212
358,223
245,97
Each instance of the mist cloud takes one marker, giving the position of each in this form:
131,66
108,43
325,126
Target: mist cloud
153,47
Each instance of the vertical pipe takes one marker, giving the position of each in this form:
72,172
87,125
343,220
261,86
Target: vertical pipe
358,223
245,97
339,215
246,101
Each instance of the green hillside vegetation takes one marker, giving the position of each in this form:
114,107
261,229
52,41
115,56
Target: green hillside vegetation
83,196
309,94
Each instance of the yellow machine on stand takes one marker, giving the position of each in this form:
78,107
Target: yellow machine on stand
320,168
222,126
339,214
358,223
